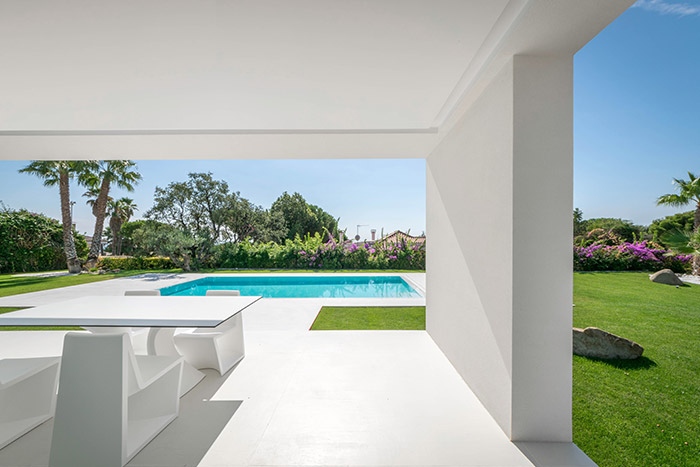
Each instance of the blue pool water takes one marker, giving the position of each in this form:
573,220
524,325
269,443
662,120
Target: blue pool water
300,286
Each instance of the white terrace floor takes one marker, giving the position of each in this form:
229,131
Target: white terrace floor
300,397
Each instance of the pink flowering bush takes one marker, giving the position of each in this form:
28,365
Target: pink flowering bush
312,252
625,256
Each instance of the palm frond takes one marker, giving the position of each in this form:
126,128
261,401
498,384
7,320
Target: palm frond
681,242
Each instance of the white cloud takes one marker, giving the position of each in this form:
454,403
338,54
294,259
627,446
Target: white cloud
668,8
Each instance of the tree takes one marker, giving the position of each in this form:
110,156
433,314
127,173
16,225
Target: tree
682,221
198,208
688,193
301,218
60,173
166,240
247,220
92,194
579,223
204,209
103,175
120,211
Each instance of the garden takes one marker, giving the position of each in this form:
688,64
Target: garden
195,224
642,412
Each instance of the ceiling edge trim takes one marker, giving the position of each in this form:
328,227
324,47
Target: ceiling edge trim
487,51
393,131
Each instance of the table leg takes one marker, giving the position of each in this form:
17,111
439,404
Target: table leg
161,342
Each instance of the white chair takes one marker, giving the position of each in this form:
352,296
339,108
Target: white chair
142,293
159,341
27,395
219,348
111,402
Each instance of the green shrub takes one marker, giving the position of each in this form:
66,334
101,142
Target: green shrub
32,242
137,262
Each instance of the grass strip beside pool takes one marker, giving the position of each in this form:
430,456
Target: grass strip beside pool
643,412
14,285
5,309
370,318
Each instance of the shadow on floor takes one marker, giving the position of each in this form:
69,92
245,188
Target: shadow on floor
554,454
154,276
184,442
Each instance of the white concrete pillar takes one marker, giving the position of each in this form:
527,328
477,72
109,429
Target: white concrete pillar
499,197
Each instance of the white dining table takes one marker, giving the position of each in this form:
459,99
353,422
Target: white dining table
132,311
160,314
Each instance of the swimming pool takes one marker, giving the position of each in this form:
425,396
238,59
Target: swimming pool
300,286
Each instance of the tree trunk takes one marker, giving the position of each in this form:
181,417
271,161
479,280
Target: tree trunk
96,245
115,224
68,240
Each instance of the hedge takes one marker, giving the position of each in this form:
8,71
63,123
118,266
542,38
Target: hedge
137,262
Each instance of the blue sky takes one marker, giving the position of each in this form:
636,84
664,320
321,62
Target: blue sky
384,193
637,111
636,127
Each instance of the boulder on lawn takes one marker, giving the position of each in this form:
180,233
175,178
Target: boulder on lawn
665,276
596,343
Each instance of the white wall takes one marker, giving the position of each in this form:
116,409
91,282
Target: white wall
499,259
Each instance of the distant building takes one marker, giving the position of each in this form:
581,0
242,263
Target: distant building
398,236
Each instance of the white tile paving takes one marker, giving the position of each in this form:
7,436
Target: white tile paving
300,397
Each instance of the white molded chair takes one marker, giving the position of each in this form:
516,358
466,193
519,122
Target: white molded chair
219,348
27,395
111,402
142,293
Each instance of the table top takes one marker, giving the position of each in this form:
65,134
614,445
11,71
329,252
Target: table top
132,311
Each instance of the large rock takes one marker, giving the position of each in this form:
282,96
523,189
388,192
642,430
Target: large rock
596,343
666,276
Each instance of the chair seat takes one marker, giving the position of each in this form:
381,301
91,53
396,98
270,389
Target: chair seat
152,367
13,370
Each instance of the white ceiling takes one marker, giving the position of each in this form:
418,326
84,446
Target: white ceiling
235,65
261,78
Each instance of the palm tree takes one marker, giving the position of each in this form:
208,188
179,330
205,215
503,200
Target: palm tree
120,211
92,195
60,173
689,192
101,176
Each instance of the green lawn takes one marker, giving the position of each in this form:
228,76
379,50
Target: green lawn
7,309
644,412
10,285
359,318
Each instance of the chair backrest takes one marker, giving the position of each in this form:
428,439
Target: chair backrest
223,293
91,348
142,293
